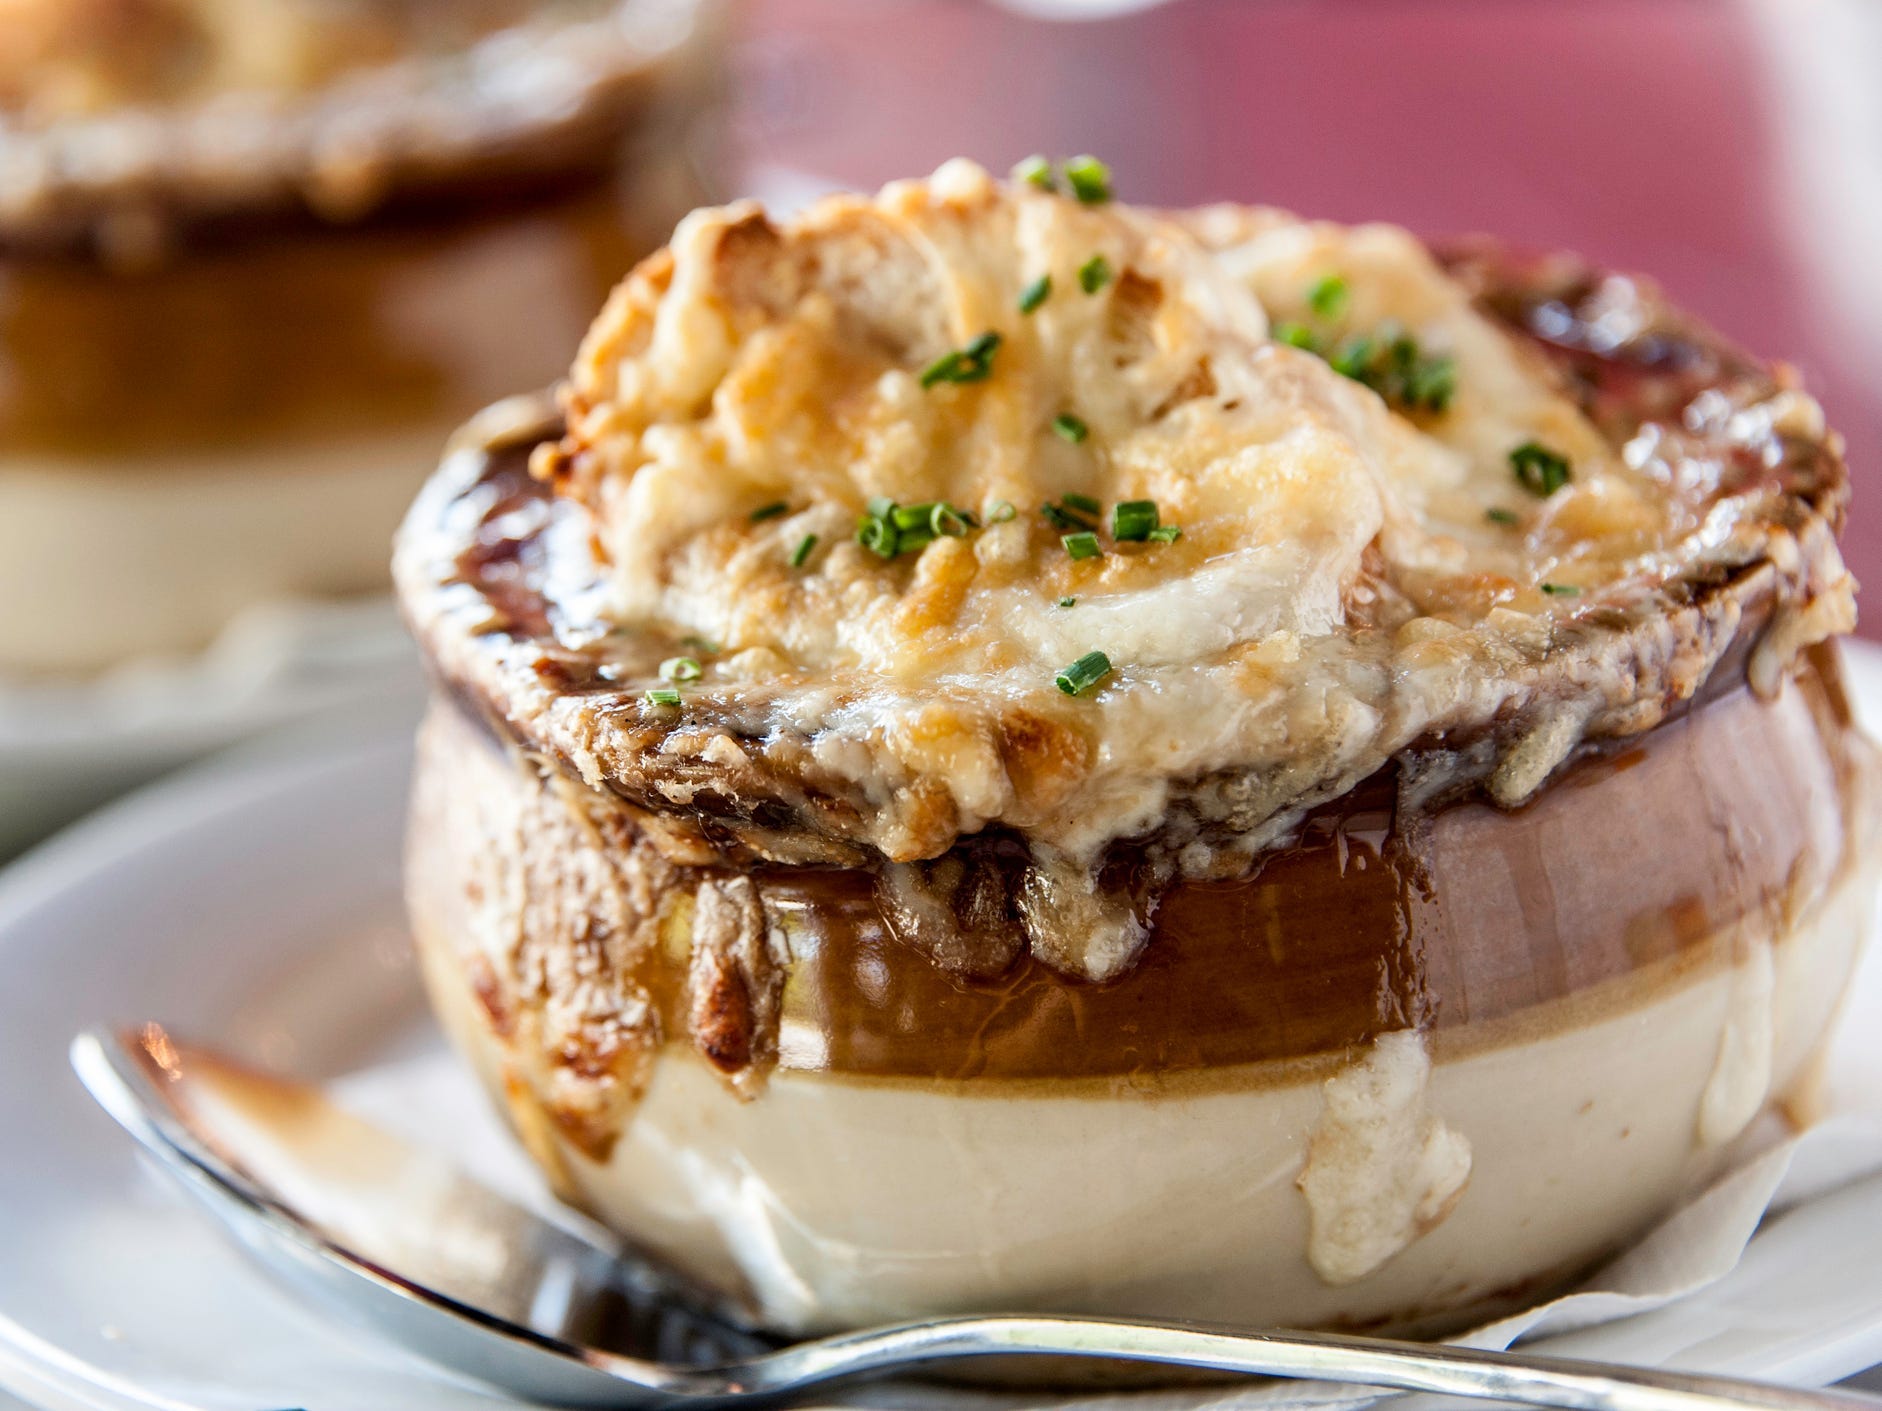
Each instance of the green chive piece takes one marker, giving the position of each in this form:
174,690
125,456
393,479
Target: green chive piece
1328,296
1390,363
1035,294
877,533
912,516
1089,178
1504,517
1084,673
1070,428
1001,511
1539,470
946,522
1073,512
801,554
1431,384
1094,274
946,368
704,644
1297,335
1352,358
1165,534
1561,590
662,696
1036,171
680,669
969,364
1068,602
1061,518
770,511
1082,545
1133,520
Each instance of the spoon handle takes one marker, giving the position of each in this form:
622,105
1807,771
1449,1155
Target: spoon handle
1368,1362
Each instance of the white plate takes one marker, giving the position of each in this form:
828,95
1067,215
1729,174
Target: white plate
67,746
254,904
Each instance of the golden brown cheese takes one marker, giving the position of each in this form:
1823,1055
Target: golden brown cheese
1338,582
1358,579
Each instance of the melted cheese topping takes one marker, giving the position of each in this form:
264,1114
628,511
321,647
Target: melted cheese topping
1382,1171
759,364
1340,596
1339,585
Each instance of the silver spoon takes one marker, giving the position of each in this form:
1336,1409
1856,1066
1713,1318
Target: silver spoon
495,1292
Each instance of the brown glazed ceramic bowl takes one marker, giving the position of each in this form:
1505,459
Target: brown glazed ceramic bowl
222,312
1424,1054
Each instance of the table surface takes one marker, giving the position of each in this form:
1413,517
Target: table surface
1730,148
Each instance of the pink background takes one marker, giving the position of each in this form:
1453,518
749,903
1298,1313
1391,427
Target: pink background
1727,149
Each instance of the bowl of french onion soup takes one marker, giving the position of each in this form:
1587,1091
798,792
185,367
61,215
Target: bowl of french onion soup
992,749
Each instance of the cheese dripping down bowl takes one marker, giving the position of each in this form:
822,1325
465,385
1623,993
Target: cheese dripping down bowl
996,750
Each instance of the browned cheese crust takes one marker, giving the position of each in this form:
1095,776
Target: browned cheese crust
891,719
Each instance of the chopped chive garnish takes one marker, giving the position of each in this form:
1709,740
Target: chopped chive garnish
662,696
1165,534
1094,274
1089,178
1431,384
1082,545
1001,511
1036,171
1035,294
1502,516
1561,590
680,669
1083,504
1539,470
1390,363
1084,673
1070,428
1297,335
770,511
887,529
1068,602
704,644
1061,518
877,533
934,518
969,364
1132,520
1328,296
912,516
801,554
1352,358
